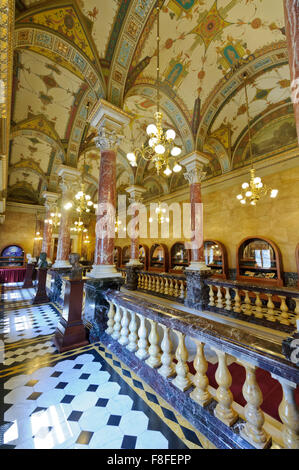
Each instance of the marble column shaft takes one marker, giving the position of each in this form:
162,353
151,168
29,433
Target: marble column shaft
70,177
107,195
197,253
47,236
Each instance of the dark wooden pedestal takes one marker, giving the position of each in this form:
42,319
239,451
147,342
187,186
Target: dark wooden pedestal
41,294
29,275
70,331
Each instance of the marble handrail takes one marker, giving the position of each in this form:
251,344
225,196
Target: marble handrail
136,326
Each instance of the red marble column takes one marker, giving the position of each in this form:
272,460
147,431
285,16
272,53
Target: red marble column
107,196
291,11
194,164
105,226
37,244
197,252
109,121
47,238
70,178
135,199
51,199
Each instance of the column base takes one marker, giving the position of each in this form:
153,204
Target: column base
134,262
197,290
197,266
101,271
61,264
132,275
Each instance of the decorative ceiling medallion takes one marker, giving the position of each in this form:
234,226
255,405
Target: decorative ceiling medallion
211,26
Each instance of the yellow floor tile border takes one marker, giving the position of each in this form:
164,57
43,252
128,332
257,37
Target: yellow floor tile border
175,427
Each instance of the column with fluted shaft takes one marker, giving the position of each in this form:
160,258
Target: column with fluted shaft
109,121
197,271
50,201
69,181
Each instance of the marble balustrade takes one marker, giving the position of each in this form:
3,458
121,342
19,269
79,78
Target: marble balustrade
272,306
144,329
170,286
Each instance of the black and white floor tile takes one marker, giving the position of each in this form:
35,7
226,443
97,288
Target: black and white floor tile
83,399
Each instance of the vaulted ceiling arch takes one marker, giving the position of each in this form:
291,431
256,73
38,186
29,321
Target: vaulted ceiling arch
267,59
63,34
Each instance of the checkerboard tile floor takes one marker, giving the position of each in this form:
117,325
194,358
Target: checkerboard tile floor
81,399
28,322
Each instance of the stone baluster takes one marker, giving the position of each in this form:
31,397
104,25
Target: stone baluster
270,309
157,284
166,290
124,332
145,286
284,316
182,380
154,350
224,410
296,312
289,414
176,289
253,431
219,298
211,296
167,369
247,302
142,351
258,306
237,299
161,285
132,345
201,393
111,314
117,323
170,287
228,299
182,290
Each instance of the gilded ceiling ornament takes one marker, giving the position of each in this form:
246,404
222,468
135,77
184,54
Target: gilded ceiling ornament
210,26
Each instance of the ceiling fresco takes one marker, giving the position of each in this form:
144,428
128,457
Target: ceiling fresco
69,53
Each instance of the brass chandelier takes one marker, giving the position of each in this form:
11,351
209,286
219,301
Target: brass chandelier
82,202
79,226
160,149
55,219
252,192
160,215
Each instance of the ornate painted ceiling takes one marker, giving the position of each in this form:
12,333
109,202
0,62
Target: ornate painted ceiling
69,53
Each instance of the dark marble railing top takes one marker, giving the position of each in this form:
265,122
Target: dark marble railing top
285,291
178,277
233,340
